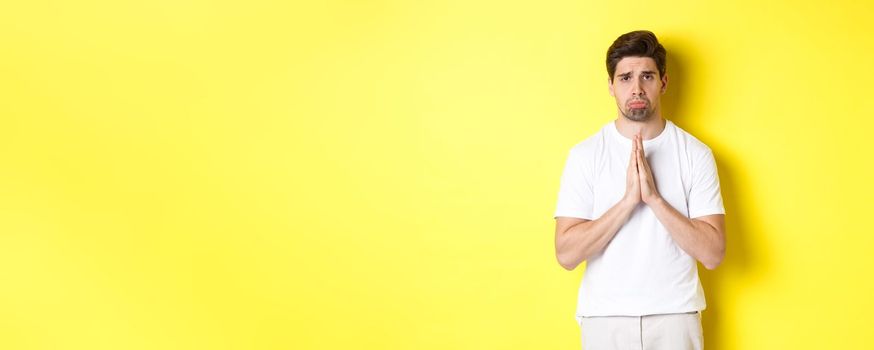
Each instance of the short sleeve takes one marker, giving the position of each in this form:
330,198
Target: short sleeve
575,196
705,197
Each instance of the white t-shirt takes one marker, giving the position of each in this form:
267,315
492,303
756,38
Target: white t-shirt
642,271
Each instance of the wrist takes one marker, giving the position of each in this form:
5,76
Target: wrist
629,202
655,200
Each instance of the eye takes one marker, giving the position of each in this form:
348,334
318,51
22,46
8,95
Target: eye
647,76
625,78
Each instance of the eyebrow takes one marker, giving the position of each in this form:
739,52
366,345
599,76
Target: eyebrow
629,73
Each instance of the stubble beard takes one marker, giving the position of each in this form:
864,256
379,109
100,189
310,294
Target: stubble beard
637,114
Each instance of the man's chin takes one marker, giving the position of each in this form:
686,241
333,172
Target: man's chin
637,115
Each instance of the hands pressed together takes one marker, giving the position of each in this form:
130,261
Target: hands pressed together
639,186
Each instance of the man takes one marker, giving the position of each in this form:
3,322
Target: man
640,202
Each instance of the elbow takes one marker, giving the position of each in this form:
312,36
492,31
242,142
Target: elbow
567,263
711,266
715,260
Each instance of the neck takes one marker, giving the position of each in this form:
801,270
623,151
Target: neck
648,129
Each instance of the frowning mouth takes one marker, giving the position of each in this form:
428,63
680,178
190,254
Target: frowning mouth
637,104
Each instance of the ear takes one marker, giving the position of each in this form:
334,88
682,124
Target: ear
664,83
610,86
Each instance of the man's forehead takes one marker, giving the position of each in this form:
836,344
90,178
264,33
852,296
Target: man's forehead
635,65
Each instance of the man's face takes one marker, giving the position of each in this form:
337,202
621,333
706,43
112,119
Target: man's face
637,87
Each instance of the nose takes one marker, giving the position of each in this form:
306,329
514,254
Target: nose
637,89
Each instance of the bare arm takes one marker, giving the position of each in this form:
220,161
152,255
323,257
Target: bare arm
703,238
576,240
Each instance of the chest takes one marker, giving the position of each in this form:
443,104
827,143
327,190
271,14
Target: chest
670,169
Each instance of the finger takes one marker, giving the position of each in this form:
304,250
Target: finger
644,163
645,172
641,167
640,143
635,170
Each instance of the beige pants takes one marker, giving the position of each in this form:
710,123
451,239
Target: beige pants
652,332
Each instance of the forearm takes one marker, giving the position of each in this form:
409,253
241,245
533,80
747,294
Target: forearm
699,239
581,241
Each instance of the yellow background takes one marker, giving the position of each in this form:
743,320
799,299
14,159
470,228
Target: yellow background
382,174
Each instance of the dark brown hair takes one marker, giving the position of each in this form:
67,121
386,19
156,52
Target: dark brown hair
640,43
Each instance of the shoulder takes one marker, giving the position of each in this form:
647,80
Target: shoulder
693,145
591,145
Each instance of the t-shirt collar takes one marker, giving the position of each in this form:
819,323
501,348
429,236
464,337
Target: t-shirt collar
646,143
